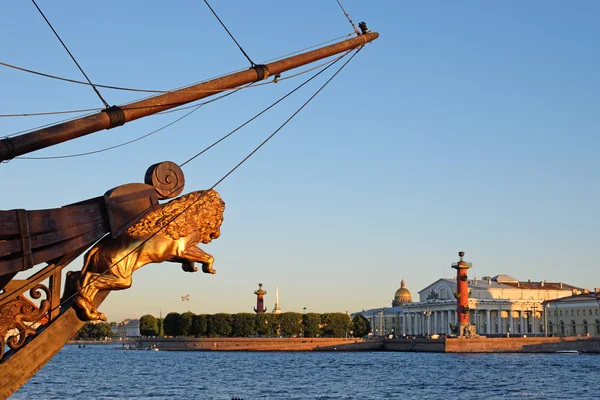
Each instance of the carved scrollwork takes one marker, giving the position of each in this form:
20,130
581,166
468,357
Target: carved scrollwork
20,314
167,178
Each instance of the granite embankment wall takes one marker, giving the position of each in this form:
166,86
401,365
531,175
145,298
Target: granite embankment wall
417,344
259,344
522,345
451,345
494,345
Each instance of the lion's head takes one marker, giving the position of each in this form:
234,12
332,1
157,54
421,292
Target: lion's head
198,213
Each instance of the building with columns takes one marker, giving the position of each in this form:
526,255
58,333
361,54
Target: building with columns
496,306
388,320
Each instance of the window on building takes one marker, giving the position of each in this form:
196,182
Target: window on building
571,313
555,313
597,327
561,313
562,328
550,327
590,311
578,313
585,327
573,327
443,294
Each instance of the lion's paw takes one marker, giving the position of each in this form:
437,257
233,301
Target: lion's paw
98,316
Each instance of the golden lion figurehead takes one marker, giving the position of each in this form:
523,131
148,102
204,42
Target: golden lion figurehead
198,213
195,217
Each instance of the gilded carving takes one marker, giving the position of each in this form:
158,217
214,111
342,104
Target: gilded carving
168,233
20,314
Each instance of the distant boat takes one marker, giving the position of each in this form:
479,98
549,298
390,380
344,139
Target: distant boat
568,352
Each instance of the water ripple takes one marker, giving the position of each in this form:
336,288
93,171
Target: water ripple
101,372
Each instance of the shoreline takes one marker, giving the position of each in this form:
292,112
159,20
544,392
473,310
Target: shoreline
448,345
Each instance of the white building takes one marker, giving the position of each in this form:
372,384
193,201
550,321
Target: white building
577,315
498,306
127,328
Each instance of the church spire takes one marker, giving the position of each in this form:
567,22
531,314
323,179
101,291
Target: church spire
276,310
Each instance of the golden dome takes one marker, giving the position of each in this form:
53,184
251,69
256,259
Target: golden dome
402,295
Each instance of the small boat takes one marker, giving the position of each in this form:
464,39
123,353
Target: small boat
568,352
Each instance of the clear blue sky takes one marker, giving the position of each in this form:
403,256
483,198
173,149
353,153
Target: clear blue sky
466,126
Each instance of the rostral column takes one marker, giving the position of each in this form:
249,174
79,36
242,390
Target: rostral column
260,302
462,301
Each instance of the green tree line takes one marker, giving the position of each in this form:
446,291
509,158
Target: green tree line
289,324
94,331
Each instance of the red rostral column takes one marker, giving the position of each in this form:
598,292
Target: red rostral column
462,289
260,302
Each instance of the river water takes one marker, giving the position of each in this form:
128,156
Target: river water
103,372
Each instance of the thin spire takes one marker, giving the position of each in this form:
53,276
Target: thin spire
276,310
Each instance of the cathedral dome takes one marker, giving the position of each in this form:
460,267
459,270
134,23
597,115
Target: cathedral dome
402,295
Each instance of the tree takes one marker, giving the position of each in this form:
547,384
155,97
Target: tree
262,323
171,324
185,323
161,327
335,325
267,324
360,326
310,324
219,325
148,325
291,324
94,331
83,333
243,325
103,331
198,327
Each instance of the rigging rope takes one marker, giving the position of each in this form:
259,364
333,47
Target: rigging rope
112,147
263,111
195,106
60,78
142,90
41,114
349,20
288,120
162,112
69,298
151,90
73,58
230,35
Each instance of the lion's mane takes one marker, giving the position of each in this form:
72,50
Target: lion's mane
201,212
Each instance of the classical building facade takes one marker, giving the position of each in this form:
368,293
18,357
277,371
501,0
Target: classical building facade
577,315
387,320
496,306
